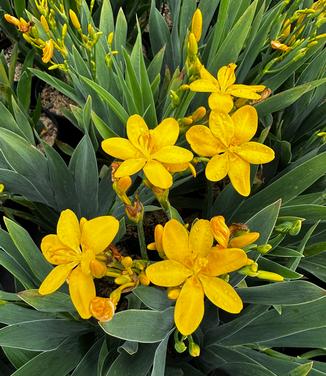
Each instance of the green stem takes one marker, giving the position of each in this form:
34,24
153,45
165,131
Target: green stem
141,239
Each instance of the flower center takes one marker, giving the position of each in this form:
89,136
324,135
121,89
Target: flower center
146,144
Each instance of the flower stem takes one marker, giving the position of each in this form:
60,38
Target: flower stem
141,239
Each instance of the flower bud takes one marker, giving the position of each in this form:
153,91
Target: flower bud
192,44
143,279
173,293
123,279
180,347
264,248
98,268
295,229
48,51
2,188
220,230
74,20
45,24
276,45
197,24
126,261
110,38
102,309
199,114
194,349
269,276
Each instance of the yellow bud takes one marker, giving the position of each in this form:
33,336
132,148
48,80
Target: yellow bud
197,24
199,114
254,267
264,248
269,276
186,121
276,45
192,44
123,184
123,279
64,31
48,51
2,188
102,308
220,230
158,236
173,293
74,19
126,262
12,20
45,24
194,349
90,29
243,240
110,38
98,268
143,279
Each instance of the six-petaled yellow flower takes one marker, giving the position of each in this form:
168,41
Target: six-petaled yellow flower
227,142
74,249
223,88
152,150
194,263
48,51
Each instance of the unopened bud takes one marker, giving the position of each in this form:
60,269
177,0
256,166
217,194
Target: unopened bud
126,261
199,114
276,45
143,279
2,188
174,98
296,227
102,309
74,20
192,44
45,24
173,293
180,347
98,268
123,279
194,349
197,24
269,276
264,248
110,38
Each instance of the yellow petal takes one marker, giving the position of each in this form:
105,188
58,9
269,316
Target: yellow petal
224,260
245,91
220,230
221,294
203,142
222,127
130,167
245,121
220,102
204,86
239,174
166,133
168,273
82,291
256,153
158,175
176,241
55,252
173,154
189,308
98,233
136,127
56,278
68,229
218,167
226,76
120,148
206,75
201,238
244,240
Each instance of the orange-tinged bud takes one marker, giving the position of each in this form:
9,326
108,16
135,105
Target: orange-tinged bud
45,24
197,24
173,293
199,114
48,51
98,268
276,45
74,19
123,184
143,279
102,309
12,20
220,230
244,240
192,44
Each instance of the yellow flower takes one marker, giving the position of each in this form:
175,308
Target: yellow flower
48,51
194,263
102,308
74,249
152,150
20,23
230,237
223,88
227,142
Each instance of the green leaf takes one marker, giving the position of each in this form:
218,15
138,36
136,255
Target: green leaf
285,293
103,129
8,121
11,313
234,40
316,265
271,266
311,169
153,297
272,327
120,33
160,357
56,302
8,296
140,325
106,19
83,165
24,88
28,250
87,364
309,212
18,357
59,361
246,369
133,365
286,98
40,335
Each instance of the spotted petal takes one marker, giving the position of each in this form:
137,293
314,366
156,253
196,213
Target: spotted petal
221,294
167,273
222,127
189,308
82,291
201,238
